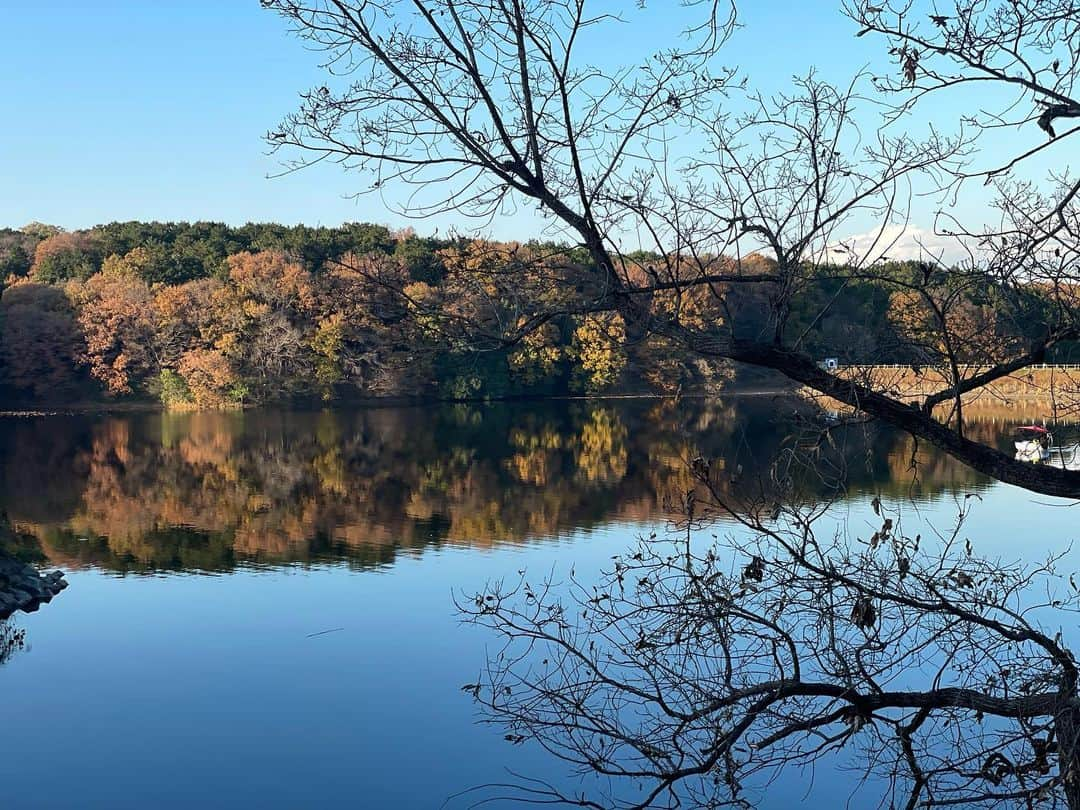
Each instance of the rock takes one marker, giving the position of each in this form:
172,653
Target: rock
23,587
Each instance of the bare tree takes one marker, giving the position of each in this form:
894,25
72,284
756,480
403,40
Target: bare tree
699,670
696,671
1011,67
476,106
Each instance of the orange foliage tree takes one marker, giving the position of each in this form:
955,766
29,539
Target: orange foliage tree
116,319
209,377
265,311
184,318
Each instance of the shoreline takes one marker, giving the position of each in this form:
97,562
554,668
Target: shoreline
102,408
23,588
80,409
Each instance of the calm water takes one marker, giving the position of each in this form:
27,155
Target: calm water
188,663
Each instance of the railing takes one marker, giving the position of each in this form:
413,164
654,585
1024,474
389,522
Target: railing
961,366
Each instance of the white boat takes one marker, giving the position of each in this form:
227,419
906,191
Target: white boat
1065,456
1032,443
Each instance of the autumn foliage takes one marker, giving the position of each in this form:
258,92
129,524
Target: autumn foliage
206,316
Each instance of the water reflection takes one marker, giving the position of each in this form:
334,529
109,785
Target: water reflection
175,675
210,491
12,640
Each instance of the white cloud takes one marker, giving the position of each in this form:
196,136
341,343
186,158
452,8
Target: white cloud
900,242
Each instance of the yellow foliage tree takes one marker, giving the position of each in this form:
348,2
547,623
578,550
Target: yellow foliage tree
598,344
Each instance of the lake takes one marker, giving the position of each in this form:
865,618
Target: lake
260,610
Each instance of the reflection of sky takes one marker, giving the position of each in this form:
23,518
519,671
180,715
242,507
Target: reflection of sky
184,691
206,690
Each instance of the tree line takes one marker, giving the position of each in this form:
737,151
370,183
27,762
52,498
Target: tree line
204,315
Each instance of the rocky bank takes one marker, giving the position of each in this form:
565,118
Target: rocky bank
23,587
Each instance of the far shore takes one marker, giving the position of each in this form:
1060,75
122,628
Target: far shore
149,406
1022,401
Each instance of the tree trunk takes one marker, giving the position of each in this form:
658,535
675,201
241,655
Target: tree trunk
1041,478
1067,730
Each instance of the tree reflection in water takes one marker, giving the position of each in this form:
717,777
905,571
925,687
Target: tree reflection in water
12,640
210,491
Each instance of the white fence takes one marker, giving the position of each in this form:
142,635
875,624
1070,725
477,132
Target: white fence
962,367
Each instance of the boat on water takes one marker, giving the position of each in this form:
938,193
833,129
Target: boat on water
1035,444
1032,443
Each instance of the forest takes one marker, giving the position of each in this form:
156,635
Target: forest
204,315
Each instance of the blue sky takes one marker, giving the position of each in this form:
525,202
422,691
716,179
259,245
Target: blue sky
156,109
